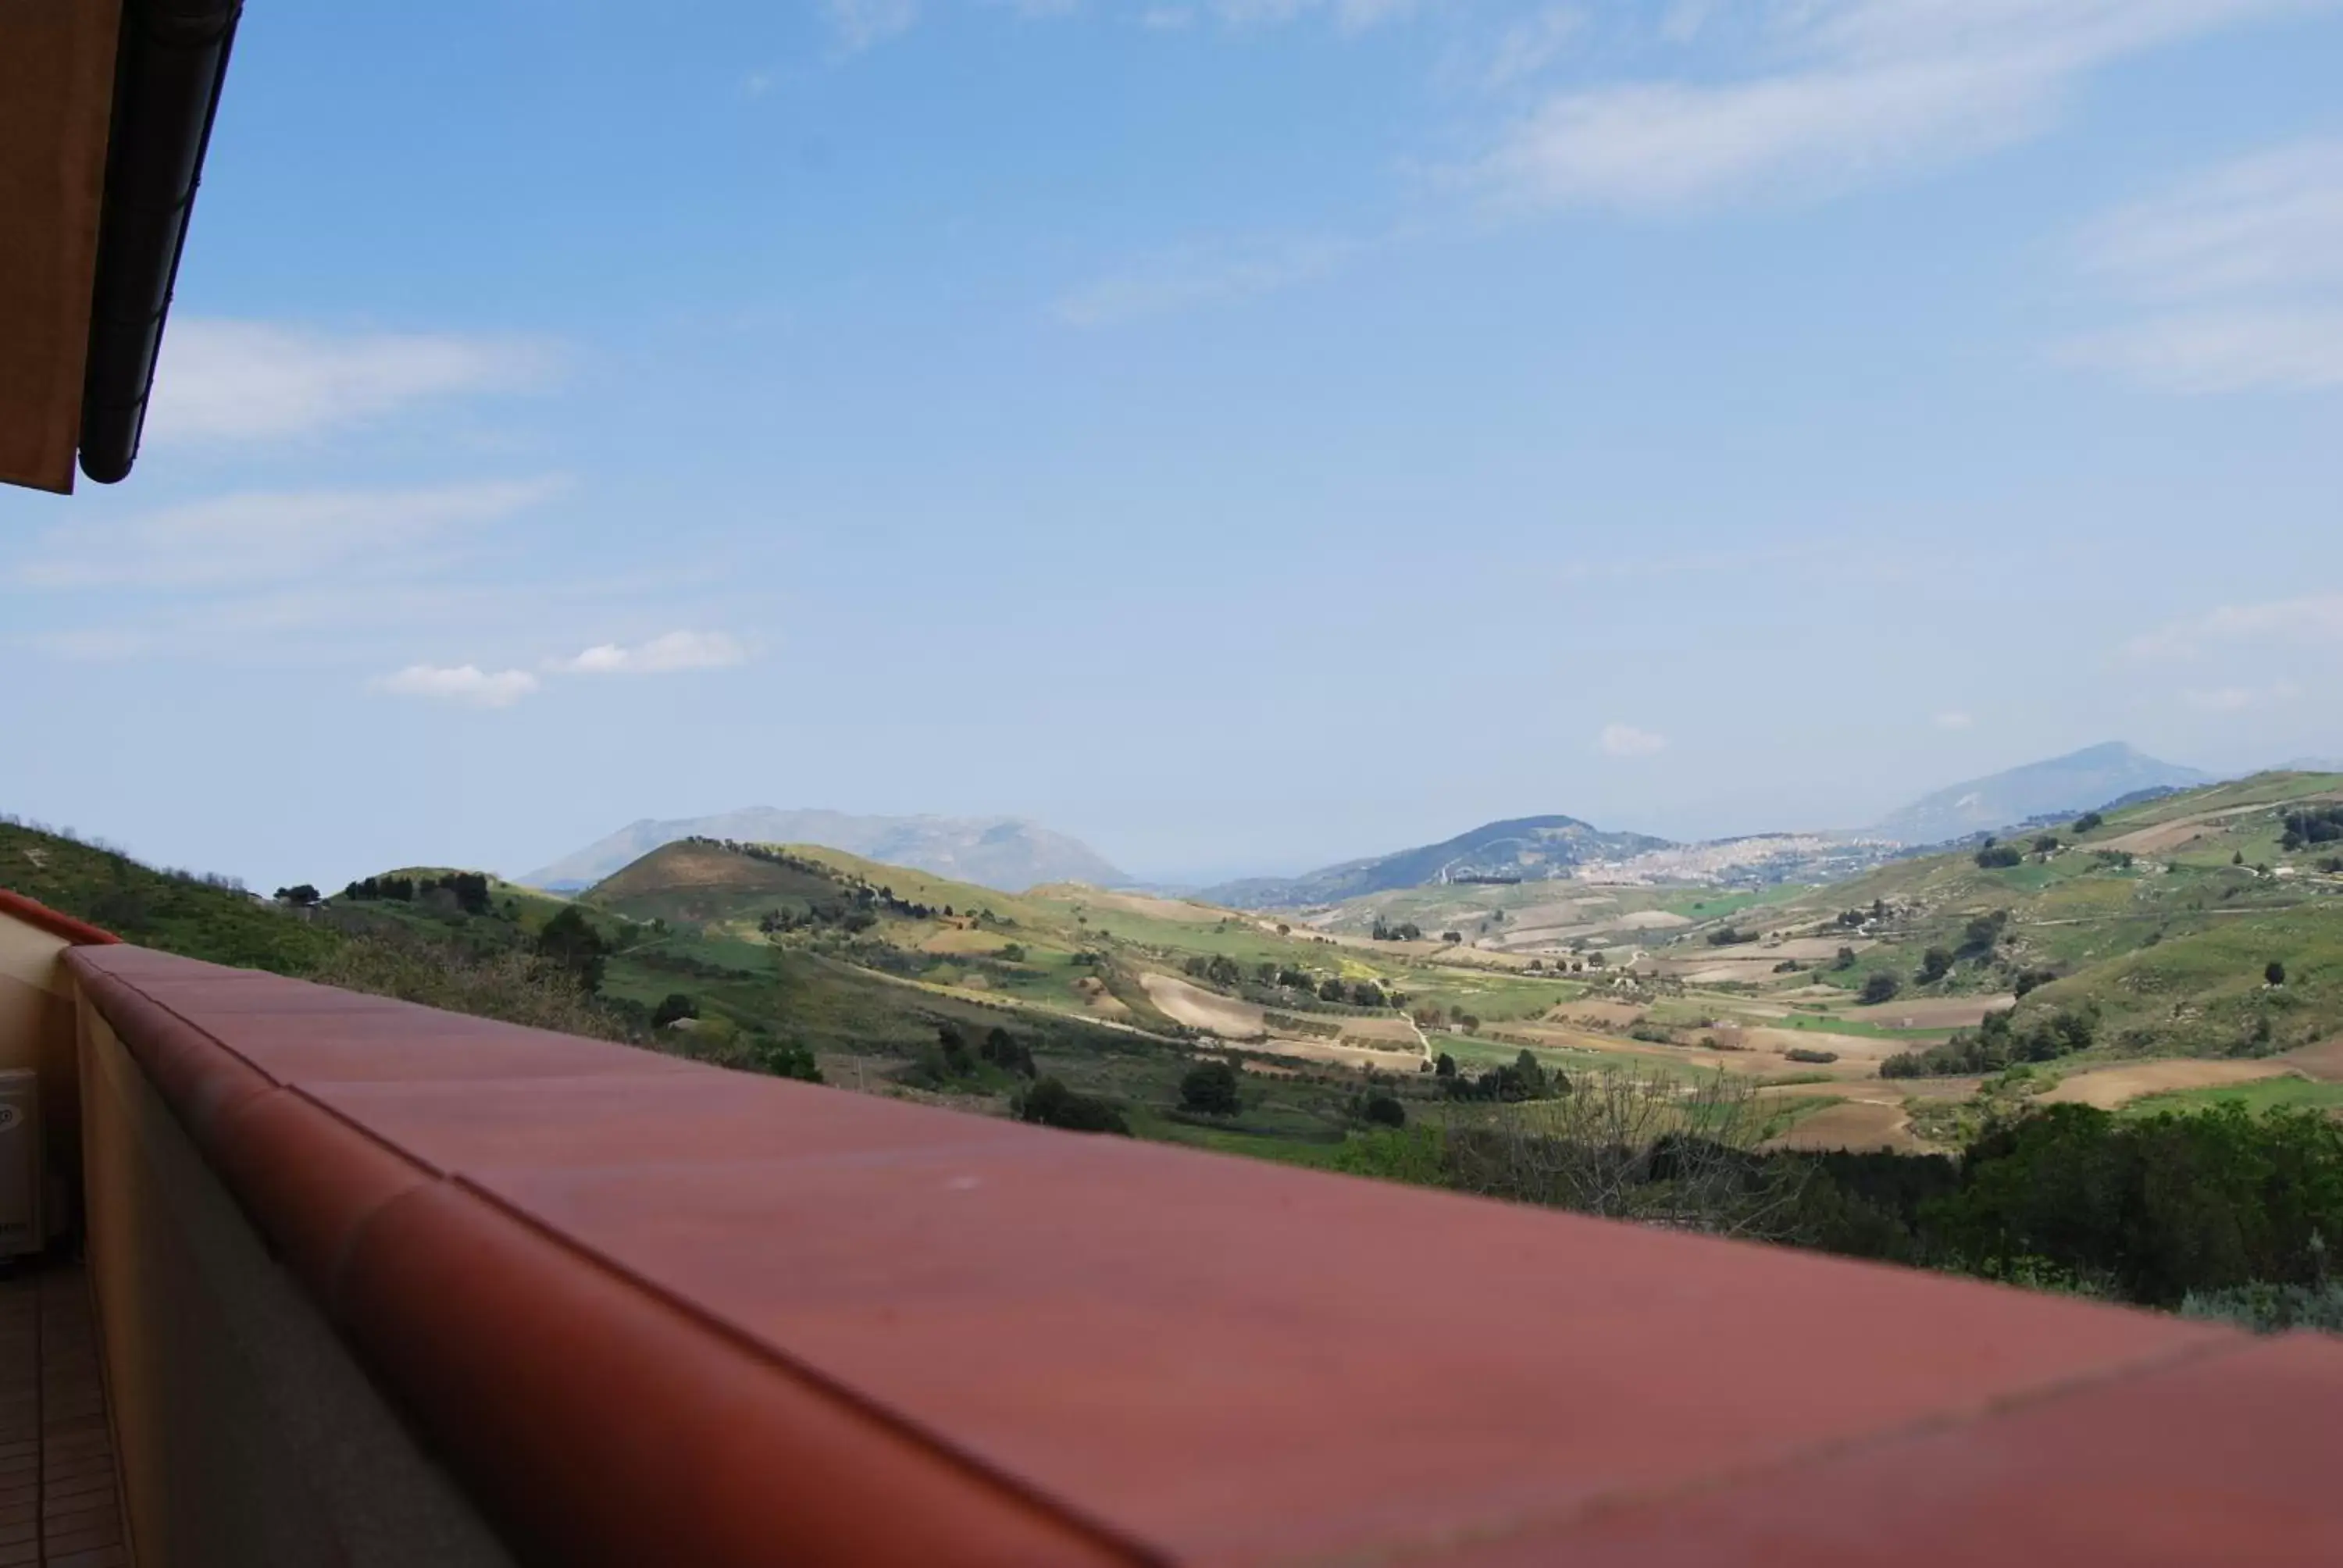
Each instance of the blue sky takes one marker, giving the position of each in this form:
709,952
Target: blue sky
1242,433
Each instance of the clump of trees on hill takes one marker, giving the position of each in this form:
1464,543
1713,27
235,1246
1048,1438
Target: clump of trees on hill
1521,1079
469,890
2223,1210
1995,1043
1050,1103
1994,855
1408,932
2312,825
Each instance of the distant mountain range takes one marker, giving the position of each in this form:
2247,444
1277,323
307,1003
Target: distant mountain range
1528,849
1003,852
2079,781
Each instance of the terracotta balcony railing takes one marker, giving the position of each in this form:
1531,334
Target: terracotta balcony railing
380,1284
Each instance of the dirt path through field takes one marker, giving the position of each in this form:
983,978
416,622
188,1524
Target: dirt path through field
1243,1024
2323,1061
2115,1085
1857,1124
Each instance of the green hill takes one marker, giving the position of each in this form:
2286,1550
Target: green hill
207,917
2161,922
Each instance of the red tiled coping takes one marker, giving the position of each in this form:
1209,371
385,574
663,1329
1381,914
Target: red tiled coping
654,1312
48,920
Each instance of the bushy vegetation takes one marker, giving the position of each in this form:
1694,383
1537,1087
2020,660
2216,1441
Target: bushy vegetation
1209,1089
2150,1210
2312,825
1050,1103
197,916
2223,1210
1995,1043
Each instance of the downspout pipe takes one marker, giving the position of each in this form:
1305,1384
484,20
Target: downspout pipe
169,71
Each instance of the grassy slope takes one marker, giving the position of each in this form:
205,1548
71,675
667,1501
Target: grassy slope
2170,949
173,911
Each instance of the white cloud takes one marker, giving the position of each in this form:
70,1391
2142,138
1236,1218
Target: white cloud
676,651
860,23
2312,620
1201,274
462,683
2271,220
1627,740
2242,269
1531,45
2237,351
2239,699
1864,89
253,381
1350,15
1954,719
270,538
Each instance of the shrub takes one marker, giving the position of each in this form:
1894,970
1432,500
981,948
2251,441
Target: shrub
569,940
1211,1089
1879,987
2088,821
2000,857
1385,1110
1005,1051
2274,972
1819,1058
1934,965
2159,1207
1050,1103
676,1005
1997,1043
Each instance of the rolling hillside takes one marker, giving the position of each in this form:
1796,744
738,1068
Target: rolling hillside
1531,849
1000,852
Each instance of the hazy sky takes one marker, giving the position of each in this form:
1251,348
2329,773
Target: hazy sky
1242,433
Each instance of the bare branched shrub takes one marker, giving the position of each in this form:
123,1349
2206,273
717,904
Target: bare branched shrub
1635,1145
512,985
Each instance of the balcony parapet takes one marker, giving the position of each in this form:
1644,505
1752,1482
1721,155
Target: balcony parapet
643,1311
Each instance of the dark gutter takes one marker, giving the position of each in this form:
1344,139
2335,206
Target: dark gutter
168,70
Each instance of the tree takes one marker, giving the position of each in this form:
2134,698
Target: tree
1845,959
1879,987
1366,993
1526,1077
2087,821
1330,989
1385,1110
570,941
1452,939
1446,1066
1050,1103
1998,857
2239,859
1005,1051
300,895
676,1005
2275,972
1934,965
2048,844
1209,1089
